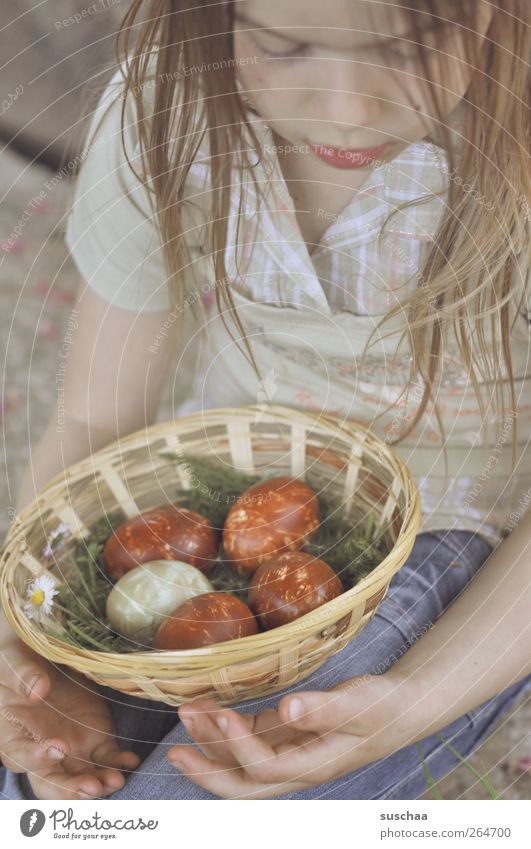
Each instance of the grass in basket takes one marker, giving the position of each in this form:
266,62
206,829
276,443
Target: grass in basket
351,552
83,593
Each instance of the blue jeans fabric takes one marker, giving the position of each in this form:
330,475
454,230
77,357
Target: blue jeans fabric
439,567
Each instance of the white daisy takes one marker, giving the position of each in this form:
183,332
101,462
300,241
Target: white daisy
39,597
61,532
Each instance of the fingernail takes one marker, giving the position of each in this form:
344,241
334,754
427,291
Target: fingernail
55,753
112,788
84,795
29,687
295,709
223,723
188,722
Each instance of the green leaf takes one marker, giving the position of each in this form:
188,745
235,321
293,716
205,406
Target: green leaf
432,784
483,779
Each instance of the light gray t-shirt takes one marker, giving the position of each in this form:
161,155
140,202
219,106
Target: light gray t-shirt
111,230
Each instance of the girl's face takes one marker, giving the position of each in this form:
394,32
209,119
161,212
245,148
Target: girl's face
345,75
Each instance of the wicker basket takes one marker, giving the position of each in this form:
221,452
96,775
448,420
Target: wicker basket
340,457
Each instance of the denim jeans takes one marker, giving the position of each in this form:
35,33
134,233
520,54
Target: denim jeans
439,567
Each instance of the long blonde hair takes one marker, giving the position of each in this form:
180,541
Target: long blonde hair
469,269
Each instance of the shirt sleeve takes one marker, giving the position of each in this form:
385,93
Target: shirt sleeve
111,228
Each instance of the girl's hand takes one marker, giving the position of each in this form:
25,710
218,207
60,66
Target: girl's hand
259,757
63,711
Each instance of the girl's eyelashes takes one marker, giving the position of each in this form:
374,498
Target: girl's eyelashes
296,50
287,54
392,55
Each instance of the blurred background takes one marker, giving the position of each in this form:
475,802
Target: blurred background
56,55
51,54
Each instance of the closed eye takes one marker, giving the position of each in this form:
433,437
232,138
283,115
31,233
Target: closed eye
395,53
287,54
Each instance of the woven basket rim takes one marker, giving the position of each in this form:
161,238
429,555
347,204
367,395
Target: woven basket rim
151,431
300,627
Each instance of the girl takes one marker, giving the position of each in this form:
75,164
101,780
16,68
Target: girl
270,190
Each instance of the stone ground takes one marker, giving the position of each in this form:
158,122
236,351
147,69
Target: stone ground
37,290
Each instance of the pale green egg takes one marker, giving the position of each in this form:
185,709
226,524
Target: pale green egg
144,596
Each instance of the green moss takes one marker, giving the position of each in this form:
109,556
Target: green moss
351,552
214,488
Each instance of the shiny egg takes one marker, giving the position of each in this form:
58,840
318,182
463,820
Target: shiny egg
271,516
289,585
205,619
142,597
169,532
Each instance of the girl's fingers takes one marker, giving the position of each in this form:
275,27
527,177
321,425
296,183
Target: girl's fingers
331,710
24,672
203,730
109,779
256,756
198,719
112,761
307,758
23,754
201,725
109,754
55,784
123,760
228,783
199,707
196,713
78,776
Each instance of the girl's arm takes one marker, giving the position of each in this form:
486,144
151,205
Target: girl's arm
112,385
55,451
113,381
481,644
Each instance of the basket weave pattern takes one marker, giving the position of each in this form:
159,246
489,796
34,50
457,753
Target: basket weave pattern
338,457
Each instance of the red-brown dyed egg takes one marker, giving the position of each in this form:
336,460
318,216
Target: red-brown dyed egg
169,532
280,514
290,585
205,619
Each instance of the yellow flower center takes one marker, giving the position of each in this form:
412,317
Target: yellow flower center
37,598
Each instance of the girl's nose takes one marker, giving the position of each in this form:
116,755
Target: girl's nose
350,97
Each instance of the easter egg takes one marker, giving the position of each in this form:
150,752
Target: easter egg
289,585
168,532
271,516
205,619
142,597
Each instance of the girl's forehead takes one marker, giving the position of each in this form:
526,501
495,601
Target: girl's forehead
321,23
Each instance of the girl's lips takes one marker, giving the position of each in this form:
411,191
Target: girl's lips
343,158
